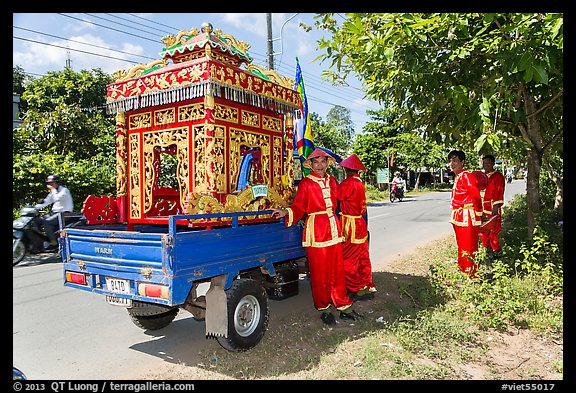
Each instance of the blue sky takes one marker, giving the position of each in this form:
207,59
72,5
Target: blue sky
43,42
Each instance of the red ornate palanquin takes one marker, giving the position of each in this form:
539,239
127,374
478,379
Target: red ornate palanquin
228,129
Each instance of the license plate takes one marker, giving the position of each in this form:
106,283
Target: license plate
117,285
118,301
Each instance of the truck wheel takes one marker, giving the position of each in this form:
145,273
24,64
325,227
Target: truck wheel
151,316
18,251
248,315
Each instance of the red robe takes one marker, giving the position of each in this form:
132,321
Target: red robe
352,197
493,194
466,219
322,237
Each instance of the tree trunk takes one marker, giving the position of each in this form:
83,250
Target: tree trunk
559,182
533,190
533,133
417,180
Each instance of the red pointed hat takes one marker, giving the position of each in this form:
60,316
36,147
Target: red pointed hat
317,153
353,162
481,179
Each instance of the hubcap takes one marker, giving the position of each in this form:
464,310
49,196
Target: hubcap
247,316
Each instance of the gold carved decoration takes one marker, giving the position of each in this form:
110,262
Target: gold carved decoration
165,138
226,113
191,112
122,75
141,120
238,44
272,75
135,204
199,141
120,154
209,168
198,203
250,119
164,116
169,40
277,159
271,123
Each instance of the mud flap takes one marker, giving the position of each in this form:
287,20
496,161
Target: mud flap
217,308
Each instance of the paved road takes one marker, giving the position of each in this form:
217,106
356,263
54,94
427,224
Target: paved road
63,333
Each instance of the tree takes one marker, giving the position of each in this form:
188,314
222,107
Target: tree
337,133
65,131
485,81
19,80
66,112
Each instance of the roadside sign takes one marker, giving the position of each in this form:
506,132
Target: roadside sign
382,175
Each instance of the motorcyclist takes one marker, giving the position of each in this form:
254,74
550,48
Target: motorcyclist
61,200
398,181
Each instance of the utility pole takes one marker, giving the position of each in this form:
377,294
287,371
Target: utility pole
270,44
68,59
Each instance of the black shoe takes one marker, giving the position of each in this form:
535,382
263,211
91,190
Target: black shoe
328,318
367,296
351,316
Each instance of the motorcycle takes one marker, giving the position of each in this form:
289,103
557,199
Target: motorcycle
397,192
29,236
509,178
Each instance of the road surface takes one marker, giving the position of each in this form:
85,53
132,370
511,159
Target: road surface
60,333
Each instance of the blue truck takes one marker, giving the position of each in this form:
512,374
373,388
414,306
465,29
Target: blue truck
224,276
204,150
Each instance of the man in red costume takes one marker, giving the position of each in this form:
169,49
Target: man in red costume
466,206
357,264
317,198
492,201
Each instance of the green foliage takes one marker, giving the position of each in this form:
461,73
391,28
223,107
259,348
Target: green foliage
521,289
65,132
337,133
459,79
94,176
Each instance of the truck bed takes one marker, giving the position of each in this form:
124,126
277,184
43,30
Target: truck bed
172,256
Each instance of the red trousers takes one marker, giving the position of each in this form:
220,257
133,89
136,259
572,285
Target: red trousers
358,267
327,277
491,239
467,240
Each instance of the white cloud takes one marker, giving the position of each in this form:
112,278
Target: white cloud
54,54
255,23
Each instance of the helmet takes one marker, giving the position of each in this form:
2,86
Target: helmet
53,179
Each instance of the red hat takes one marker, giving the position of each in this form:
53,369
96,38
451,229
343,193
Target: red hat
317,153
481,179
353,162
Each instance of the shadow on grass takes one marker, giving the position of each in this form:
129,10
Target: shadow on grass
296,339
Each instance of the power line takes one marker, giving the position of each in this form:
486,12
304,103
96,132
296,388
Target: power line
76,50
78,42
312,81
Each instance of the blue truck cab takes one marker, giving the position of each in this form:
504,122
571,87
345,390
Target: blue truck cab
204,150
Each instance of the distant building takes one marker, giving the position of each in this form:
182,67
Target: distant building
16,109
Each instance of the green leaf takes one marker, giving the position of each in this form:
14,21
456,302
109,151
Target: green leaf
485,107
540,74
479,144
525,61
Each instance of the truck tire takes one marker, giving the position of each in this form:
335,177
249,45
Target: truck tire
248,315
151,316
